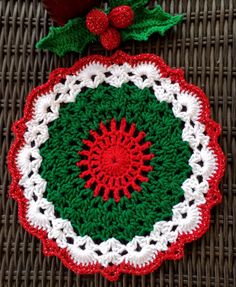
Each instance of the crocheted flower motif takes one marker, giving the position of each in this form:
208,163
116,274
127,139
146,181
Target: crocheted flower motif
115,160
116,164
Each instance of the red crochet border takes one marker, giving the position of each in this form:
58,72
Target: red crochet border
213,197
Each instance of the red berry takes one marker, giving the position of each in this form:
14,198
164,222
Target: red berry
121,17
110,39
97,21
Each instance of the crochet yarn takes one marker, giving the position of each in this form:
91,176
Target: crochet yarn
116,164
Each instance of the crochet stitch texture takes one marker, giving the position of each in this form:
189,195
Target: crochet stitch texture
135,86
139,24
152,184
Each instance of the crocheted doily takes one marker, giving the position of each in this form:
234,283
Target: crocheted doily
116,165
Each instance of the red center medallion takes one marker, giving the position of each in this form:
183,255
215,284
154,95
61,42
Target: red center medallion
116,160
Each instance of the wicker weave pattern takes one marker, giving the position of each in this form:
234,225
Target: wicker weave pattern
204,45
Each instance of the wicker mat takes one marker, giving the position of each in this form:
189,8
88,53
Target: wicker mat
204,45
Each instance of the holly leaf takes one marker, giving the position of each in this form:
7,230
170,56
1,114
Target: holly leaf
135,4
148,22
74,36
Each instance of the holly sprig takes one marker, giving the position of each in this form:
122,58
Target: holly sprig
113,25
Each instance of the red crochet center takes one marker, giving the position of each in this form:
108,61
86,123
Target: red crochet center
116,160
213,197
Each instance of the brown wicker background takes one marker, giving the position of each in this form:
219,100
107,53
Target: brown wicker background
205,46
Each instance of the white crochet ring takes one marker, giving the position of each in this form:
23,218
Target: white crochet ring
190,217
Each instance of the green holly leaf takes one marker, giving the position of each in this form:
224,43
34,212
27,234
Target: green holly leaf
148,22
74,36
135,4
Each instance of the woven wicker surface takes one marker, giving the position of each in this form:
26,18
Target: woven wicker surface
203,45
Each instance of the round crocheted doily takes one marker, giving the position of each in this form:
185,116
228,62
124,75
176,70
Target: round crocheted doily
116,165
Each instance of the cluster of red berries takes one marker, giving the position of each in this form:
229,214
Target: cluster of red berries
106,26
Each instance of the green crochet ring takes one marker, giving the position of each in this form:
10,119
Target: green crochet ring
129,216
